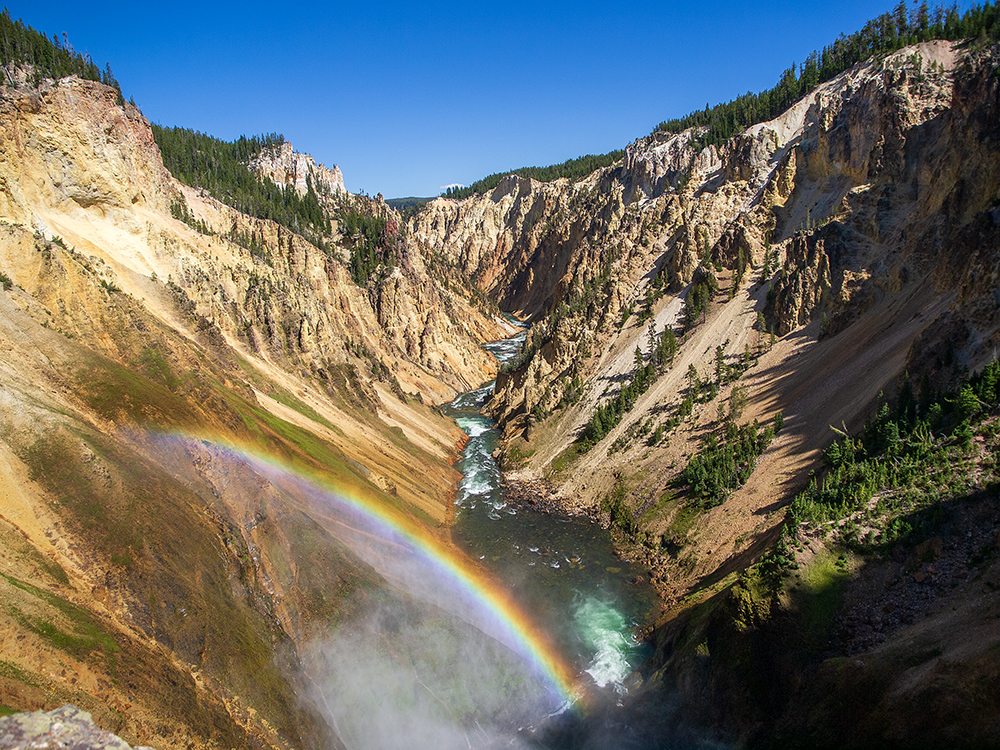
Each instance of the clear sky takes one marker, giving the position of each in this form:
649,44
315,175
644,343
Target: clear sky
411,97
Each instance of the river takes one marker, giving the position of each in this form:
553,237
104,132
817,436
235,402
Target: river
431,659
562,569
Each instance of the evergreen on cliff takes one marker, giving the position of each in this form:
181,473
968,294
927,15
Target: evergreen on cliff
221,168
22,46
880,36
573,169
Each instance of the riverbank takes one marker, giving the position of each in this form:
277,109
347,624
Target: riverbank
526,491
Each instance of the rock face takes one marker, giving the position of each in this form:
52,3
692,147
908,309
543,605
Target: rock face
848,195
299,304
115,166
63,727
288,168
288,299
125,333
864,216
545,251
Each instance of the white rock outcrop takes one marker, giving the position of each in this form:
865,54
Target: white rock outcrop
287,167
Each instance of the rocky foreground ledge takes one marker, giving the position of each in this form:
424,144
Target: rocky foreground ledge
66,727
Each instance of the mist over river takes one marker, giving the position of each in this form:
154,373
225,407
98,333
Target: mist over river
432,663
563,570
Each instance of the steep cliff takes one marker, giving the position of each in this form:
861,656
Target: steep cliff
288,168
836,237
151,577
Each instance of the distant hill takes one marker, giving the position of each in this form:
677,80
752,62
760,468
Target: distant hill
573,169
401,204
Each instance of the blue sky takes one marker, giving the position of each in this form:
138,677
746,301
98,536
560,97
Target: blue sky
410,97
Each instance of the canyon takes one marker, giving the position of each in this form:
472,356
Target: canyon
848,248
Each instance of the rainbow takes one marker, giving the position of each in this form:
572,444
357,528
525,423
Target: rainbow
379,533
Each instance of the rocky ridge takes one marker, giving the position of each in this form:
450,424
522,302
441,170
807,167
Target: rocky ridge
286,167
133,345
829,218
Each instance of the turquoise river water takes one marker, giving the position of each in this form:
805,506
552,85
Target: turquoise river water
562,569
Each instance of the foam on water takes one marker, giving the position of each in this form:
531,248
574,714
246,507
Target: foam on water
474,484
506,349
473,426
605,629
473,399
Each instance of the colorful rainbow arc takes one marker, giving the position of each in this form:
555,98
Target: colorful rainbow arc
530,640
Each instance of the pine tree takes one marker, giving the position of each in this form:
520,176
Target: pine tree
694,382
737,401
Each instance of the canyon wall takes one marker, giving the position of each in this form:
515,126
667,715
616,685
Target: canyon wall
863,214
151,577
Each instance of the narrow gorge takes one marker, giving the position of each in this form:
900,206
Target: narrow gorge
697,450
